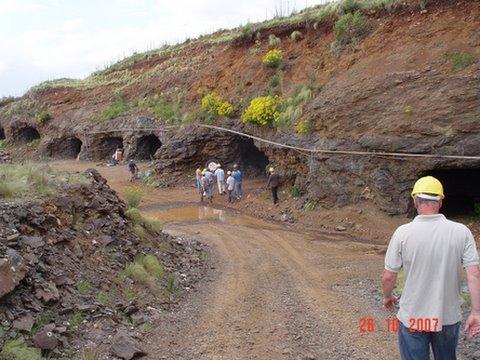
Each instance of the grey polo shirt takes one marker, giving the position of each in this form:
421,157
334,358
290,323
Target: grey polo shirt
431,250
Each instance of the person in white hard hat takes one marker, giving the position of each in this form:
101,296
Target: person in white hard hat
230,186
220,175
273,183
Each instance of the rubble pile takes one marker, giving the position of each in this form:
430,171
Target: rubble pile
62,269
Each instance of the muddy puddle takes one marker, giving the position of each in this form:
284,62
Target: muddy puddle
192,214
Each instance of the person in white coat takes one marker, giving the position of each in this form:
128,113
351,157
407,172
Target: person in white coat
220,175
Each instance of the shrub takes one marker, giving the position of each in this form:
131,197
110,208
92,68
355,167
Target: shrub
349,28
303,127
247,31
134,215
84,286
133,195
349,6
408,109
215,106
153,266
139,274
295,192
460,60
42,117
168,112
274,41
171,283
296,36
118,107
262,110
16,349
273,58
274,81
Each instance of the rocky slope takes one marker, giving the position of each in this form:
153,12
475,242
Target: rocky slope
397,89
70,276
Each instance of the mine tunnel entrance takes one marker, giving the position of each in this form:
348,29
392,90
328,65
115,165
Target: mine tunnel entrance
2,134
147,146
66,148
27,135
462,190
252,160
106,147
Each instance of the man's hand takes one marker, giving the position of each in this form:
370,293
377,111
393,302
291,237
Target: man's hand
389,302
472,325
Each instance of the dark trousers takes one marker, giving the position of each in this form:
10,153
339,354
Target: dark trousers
275,194
416,345
229,195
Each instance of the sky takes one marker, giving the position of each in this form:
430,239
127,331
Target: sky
49,39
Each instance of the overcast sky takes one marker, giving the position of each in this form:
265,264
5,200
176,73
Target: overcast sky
48,39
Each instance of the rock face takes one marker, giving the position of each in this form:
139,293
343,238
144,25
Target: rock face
125,347
12,271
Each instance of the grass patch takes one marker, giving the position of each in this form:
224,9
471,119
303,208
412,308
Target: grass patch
165,111
118,107
141,224
171,283
16,349
42,117
84,286
74,321
145,270
460,60
310,205
274,41
18,181
133,196
295,192
349,29
296,36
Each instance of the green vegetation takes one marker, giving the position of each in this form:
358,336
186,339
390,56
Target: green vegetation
295,192
296,36
310,205
303,127
273,58
84,286
408,109
263,110
18,181
274,41
146,270
118,107
349,29
133,196
16,349
291,109
171,283
140,224
349,6
24,106
460,60
247,31
74,321
104,298
168,112
42,117
215,106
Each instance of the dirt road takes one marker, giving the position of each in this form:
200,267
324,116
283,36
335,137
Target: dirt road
272,293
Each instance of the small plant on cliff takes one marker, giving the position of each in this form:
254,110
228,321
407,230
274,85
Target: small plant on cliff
460,60
274,41
215,106
247,31
133,195
273,58
168,112
303,127
408,109
296,36
16,349
349,6
42,117
350,28
118,107
262,110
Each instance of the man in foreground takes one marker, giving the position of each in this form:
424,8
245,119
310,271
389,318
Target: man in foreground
431,250
273,183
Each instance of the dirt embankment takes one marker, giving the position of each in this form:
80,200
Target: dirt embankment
399,88
74,271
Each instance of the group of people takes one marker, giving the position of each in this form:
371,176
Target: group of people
229,184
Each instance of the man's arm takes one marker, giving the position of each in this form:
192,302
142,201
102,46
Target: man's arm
388,283
472,325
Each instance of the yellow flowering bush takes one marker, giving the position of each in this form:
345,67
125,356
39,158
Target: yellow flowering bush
262,110
273,58
214,105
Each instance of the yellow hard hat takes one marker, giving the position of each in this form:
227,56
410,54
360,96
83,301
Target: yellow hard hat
271,169
428,185
218,165
204,171
229,172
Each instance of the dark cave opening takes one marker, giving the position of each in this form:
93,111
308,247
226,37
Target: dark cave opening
252,160
2,134
27,134
147,146
65,148
105,147
462,193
